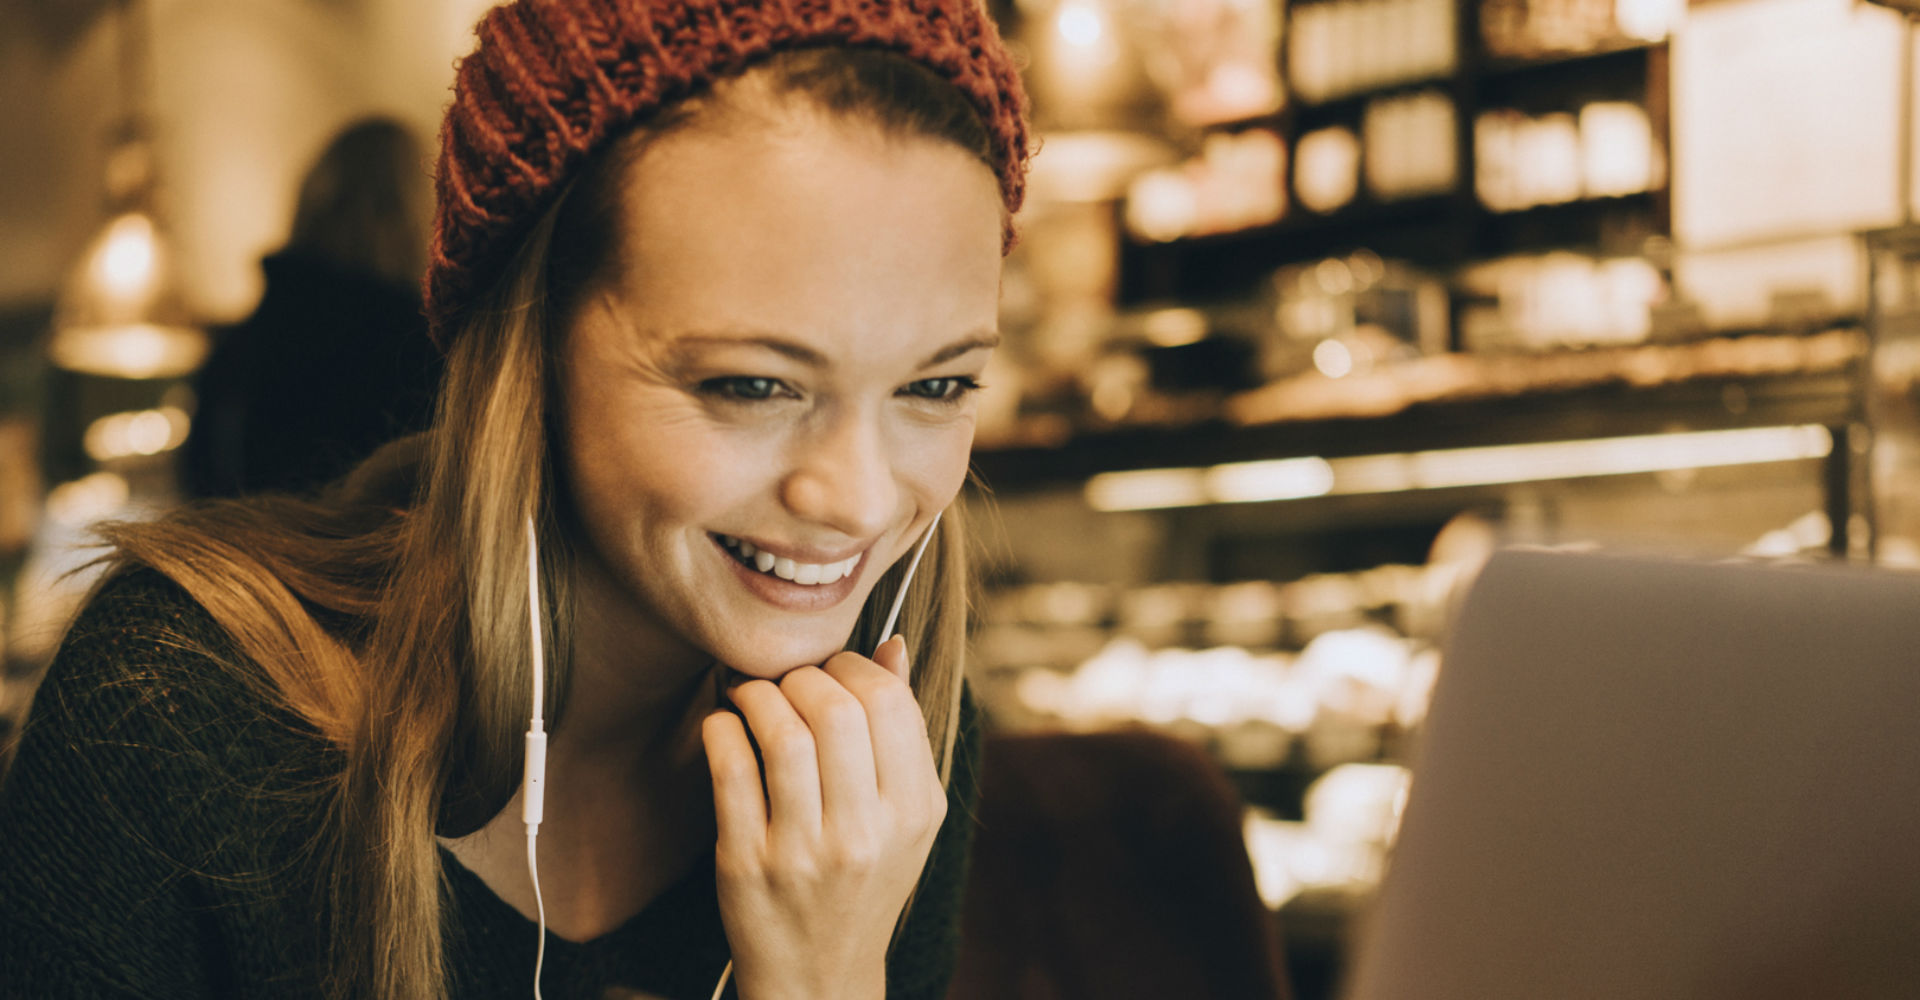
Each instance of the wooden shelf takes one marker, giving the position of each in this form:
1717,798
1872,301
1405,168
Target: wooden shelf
1622,52
1427,230
1346,109
1423,230
1818,386
1613,226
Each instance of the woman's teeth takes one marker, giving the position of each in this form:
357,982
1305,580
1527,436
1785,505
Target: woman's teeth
807,574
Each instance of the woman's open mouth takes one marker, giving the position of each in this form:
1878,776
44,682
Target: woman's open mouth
804,574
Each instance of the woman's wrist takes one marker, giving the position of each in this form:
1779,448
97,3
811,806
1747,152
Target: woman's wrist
789,987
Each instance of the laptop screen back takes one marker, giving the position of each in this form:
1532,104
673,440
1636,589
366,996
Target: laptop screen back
1647,779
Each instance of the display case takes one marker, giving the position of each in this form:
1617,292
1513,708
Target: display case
1241,506
1274,582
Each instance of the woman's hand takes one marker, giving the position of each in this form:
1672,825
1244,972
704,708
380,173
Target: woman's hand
815,866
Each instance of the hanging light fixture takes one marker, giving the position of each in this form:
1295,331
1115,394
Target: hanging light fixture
120,313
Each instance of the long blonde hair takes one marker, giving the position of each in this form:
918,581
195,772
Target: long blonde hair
419,679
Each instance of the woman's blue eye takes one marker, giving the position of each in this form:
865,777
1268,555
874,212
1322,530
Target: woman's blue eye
742,387
950,389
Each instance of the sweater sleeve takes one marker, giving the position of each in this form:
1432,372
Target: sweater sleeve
111,818
922,961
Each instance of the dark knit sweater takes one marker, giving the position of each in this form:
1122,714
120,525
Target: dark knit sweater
153,835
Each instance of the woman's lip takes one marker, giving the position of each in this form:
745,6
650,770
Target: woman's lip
816,557
787,595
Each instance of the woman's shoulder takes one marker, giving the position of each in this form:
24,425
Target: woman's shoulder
158,806
143,634
145,667
149,706
136,596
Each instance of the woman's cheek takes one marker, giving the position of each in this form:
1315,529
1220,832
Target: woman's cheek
664,445
940,462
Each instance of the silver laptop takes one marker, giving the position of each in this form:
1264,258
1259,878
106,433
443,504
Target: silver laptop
1662,780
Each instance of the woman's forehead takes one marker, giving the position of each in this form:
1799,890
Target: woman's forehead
807,231
786,144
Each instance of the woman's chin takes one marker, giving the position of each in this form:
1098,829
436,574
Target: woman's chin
775,659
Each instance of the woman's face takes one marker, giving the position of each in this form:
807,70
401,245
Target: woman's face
768,396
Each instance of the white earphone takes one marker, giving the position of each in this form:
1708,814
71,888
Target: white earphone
533,788
534,784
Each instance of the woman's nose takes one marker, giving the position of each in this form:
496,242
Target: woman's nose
843,479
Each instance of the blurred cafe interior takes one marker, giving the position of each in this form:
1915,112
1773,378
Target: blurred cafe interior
1317,304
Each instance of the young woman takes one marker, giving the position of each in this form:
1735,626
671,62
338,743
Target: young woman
715,279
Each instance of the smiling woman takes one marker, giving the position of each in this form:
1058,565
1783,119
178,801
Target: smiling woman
775,356
716,282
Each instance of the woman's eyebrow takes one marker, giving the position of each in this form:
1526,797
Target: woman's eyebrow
981,341
789,348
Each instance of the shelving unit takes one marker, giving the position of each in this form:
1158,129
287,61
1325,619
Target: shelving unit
1824,391
1444,230
1317,922
1795,379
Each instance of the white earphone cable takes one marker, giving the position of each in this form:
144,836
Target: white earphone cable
900,597
534,786
540,949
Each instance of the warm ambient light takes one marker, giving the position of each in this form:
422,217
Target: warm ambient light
1079,24
1333,358
1280,479
1297,478
135,351
137,433
125,264
120,314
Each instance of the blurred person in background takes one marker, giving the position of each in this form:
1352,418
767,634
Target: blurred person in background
1112,865
335,361
716,281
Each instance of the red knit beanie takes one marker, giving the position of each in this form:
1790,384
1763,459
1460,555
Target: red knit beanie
553,81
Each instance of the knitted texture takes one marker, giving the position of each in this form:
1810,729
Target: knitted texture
154,843
553,81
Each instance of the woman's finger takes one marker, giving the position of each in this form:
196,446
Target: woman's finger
787,750
739,801
902,757
849,786
892,655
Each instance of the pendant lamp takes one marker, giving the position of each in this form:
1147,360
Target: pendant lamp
120,313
